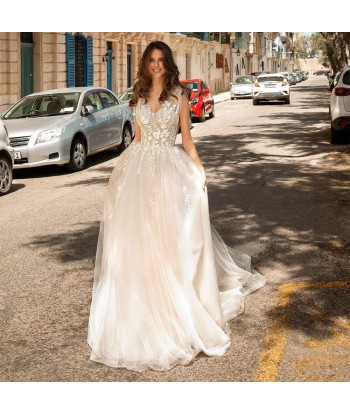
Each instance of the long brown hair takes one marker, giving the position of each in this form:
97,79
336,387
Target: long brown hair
144,80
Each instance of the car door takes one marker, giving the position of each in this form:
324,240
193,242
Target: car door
206,97
115,116
96,124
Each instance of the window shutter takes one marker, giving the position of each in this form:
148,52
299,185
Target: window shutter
219,60
70,56
90,61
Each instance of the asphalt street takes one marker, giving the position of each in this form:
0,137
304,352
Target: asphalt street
277,191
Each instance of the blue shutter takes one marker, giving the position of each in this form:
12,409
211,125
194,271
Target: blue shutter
70,56
90,61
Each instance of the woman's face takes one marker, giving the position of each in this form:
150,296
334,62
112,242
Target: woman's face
156,64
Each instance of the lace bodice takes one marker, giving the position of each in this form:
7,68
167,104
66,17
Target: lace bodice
161,127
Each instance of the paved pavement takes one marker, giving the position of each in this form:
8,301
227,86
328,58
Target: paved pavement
277,190
222,96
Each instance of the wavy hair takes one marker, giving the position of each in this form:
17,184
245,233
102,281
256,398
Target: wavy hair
170,80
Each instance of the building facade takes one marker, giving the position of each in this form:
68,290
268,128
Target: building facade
38,61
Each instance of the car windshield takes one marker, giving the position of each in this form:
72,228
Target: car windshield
244,80
192,85
44,106
270,78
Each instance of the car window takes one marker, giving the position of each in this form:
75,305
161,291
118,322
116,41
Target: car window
270,78
126,96
93,99
44,105
244,80
204,85
108,100
193,86
346,78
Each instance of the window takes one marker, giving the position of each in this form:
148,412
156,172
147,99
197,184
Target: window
108,99
346,78
93,99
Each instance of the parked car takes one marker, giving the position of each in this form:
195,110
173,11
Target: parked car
64,126
290,79
297,76
302,75
333,80
6,161
339,108
202,101
271,87
126,95
259,73
322,72
242,87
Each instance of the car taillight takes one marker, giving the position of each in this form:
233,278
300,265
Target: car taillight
256,83
342,92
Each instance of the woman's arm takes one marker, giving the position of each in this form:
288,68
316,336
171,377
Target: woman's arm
187,141
137,127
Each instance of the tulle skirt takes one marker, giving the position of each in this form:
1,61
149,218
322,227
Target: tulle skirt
165,283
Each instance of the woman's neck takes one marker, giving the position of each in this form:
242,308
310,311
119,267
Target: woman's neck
157,85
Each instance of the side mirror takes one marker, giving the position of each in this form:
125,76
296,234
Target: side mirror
87,110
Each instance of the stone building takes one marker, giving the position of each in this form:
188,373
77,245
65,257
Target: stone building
39,61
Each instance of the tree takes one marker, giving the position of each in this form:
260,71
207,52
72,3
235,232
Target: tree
332,46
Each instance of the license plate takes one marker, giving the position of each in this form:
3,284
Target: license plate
18,155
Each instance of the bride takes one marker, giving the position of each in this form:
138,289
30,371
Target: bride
165,283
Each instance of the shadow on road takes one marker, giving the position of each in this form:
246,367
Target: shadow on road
294,204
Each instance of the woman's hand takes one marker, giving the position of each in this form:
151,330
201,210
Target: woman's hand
204,177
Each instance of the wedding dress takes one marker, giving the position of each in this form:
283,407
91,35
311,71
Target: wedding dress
165,283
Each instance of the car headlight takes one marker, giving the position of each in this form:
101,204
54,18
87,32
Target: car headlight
49,135
194,101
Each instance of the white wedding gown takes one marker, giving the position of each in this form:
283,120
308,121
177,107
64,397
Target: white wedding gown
165,283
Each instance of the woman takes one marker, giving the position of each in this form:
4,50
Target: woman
165,283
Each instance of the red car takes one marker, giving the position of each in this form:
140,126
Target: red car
202,101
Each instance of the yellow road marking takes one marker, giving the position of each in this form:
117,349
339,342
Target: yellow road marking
276,342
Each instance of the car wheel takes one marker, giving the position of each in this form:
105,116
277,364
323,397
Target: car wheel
255,102
77,155
337,136
287,100
202,116
232,98
127,138
212,113
6,175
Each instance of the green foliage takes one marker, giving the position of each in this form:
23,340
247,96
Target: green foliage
331,48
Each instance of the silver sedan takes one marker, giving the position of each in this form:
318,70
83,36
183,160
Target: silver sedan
64,126
6,161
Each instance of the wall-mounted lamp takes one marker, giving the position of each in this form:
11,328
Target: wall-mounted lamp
105,57
238,53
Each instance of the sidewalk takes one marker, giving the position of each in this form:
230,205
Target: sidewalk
222,96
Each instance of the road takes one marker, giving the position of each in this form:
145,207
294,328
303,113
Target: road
277,190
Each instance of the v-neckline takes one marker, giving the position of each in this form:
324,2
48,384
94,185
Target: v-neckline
155,112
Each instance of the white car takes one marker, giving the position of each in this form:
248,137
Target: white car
339,108
242,87
271,87
6,161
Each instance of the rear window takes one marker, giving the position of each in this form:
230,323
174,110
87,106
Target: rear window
192,85
270,78
346,78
